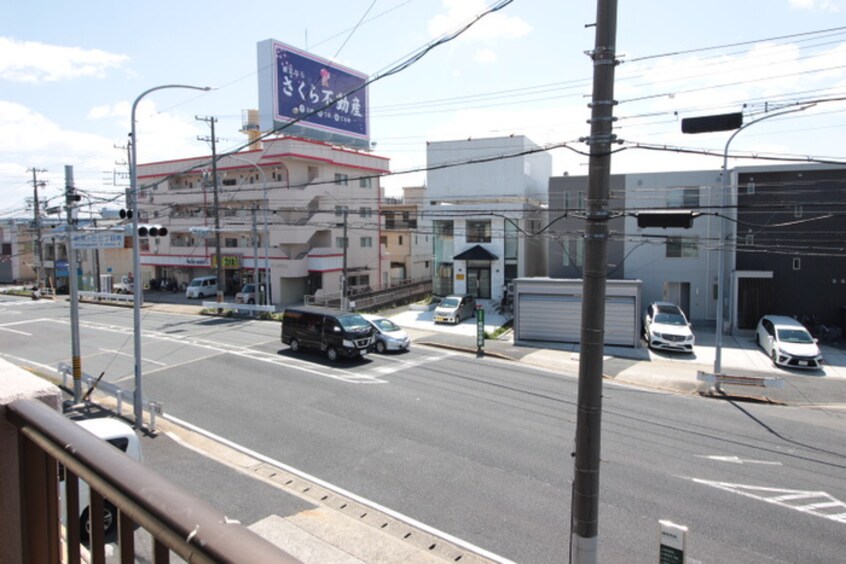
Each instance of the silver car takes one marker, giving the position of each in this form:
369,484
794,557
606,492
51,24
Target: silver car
455,309
388,336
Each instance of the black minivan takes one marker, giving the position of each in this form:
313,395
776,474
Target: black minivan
333,332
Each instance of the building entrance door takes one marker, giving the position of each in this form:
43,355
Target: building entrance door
479,282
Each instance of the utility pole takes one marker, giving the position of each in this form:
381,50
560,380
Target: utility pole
76,361
256,283
344,284
219,263
39,258
585,506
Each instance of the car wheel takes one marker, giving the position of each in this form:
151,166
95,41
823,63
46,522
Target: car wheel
380,347
332,354
109,521
200,296
295,345
252,302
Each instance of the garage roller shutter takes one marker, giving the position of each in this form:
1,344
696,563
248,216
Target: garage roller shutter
558,318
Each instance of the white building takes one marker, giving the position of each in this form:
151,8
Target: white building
674,264
485,198
314,194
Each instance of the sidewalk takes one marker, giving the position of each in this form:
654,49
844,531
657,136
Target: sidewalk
740,356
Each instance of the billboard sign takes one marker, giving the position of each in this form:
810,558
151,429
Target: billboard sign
311,97
98,240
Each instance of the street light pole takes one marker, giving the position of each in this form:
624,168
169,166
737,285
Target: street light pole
138,296
725,202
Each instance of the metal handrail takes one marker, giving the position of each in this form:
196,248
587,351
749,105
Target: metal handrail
176,519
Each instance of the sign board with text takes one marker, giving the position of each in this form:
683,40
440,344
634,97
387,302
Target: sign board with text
98,240
672,543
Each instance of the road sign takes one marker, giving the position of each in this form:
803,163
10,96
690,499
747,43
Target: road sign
673,542
480,328
98,240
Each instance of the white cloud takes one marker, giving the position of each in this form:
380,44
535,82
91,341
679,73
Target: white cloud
31,61
495,26
485,56
821,5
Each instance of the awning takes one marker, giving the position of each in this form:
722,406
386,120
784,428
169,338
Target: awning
476,253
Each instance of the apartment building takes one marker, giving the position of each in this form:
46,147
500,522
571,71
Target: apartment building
300,212
486,200
407,237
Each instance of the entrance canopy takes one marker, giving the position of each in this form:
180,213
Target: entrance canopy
477,252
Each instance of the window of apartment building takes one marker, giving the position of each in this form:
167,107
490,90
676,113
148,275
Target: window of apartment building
383,240
339,210
365,212
573,251
341,179
366,242
750,186
366,182
574,200
478,231
510,239
340,242
443,227
797,263
313,172
682,247
390,222
229,182
797,210
683,197
230,242
7,249
399,240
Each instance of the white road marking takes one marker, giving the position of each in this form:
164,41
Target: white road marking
738,460
121,353
765,494
24,333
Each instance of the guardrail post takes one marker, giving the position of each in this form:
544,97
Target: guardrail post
119,396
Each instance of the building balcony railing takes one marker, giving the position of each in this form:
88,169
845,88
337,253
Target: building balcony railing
191,528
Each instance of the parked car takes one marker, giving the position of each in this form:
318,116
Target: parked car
388,335
665,327
247,295
202,287
330,331
455,309
788,343
125,286
121,436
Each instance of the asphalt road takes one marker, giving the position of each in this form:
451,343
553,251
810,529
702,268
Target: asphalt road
479,448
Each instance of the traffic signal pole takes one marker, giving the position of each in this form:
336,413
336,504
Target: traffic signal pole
585,504
73,285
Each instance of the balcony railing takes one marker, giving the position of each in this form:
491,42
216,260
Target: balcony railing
176,520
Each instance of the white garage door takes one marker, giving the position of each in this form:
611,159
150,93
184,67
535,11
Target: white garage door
558,318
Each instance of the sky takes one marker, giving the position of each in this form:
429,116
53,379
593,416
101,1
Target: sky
70,71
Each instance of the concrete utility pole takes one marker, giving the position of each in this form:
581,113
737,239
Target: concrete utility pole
585,518
219,270
344,284
256,283
39,255
76,360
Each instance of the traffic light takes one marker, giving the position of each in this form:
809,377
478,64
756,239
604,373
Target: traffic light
666,218
125,214
706,124
148,230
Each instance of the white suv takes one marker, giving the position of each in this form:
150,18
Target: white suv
665,327
788,343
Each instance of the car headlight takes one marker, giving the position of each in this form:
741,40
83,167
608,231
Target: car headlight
347,343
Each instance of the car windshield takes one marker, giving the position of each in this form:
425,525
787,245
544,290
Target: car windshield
386,325
794,336
449,302
247,289
670,318
196,283
353,322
